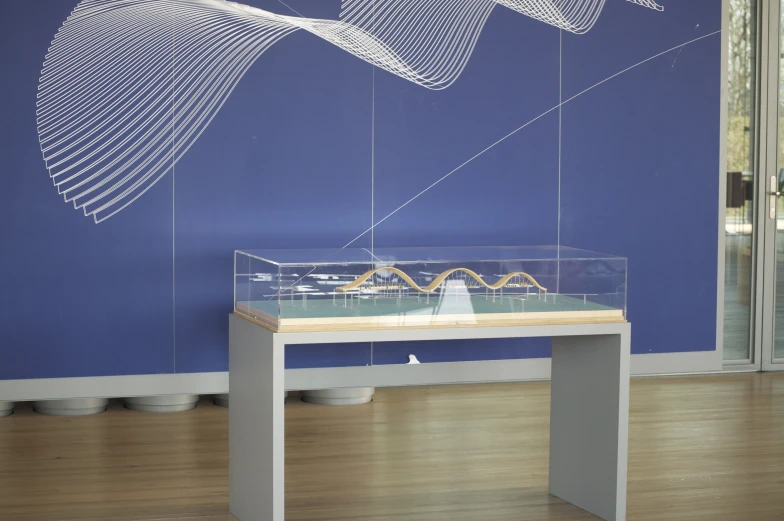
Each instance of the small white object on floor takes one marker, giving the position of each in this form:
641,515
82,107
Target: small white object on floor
412,359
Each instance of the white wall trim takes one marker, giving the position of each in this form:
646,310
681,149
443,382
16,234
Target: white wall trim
301,379
114,386
676,363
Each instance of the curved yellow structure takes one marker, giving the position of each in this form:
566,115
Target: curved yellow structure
430,288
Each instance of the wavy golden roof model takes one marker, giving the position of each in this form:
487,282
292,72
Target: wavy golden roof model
433,286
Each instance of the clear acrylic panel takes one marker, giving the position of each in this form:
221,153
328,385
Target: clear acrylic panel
306,290
256,288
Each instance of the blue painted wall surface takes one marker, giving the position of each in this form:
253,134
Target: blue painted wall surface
639,164
313,143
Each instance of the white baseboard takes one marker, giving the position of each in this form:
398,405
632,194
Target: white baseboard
676,363
301,379
114,386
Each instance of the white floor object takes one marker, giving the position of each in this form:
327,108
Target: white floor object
348,396
166,403
6,408
71,407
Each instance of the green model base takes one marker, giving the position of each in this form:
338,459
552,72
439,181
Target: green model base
348,306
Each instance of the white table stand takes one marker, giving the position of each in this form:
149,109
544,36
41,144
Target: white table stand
589,410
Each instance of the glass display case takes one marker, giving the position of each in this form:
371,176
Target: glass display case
354,288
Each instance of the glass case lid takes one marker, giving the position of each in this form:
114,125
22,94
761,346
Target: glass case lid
421,254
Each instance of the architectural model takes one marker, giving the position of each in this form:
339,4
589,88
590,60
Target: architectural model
338,291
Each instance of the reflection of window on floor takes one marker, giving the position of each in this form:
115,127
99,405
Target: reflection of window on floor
740,166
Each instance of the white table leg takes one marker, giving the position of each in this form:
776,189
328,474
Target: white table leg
589,422
256,422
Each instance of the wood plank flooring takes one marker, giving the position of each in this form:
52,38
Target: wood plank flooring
701,449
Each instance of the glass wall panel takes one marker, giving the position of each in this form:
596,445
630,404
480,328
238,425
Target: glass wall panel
741,89
778,339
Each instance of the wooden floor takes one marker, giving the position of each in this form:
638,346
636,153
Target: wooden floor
701,448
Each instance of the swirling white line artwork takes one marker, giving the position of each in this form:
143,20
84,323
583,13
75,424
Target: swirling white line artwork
128,86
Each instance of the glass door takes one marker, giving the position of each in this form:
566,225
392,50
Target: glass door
772,153
743,50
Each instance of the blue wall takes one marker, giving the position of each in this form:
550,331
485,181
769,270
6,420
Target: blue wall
289,159
640,157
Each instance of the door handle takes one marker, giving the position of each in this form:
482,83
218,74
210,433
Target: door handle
773,196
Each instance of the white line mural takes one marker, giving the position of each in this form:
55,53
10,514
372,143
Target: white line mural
129,85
